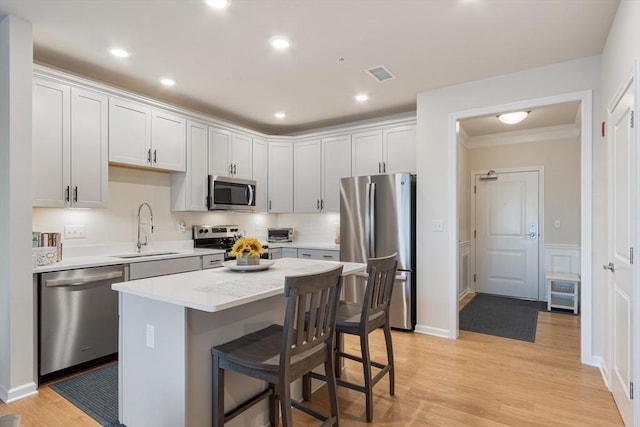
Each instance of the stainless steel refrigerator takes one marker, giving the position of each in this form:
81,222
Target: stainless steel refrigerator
377,218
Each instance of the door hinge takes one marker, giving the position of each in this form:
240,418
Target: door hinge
630,255
631,391
474,234
631,119
474,278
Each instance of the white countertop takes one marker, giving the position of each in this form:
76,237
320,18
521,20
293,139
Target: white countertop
219,288
70,263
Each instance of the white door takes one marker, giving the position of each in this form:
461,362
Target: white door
622,167
506,220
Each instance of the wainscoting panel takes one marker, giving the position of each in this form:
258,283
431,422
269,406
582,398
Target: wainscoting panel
559,259
464,268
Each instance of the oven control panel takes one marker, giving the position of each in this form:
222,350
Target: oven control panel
212,231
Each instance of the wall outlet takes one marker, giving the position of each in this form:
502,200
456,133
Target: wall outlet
151,336
556,223
437,225
74,231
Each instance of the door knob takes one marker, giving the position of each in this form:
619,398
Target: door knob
609,266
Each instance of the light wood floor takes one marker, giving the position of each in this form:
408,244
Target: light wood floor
477,380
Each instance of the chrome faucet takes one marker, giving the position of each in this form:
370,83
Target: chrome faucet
139,244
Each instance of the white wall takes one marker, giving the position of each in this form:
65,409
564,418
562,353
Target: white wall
436,194
16,290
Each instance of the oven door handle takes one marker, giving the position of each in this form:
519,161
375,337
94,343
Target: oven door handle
79,281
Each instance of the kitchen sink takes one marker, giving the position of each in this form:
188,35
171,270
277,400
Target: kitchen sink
142,255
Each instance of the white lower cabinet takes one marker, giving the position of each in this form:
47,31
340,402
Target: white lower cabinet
70,146
141,270
289,253
323,254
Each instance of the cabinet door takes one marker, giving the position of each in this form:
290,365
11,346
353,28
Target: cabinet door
367,153
260,173
306,185
169,141
241,149
219,152
400,149
280,177
189,189
336,164
289,253
51,143
129,133
89,149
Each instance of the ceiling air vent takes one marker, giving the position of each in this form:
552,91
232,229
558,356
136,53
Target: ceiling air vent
380,73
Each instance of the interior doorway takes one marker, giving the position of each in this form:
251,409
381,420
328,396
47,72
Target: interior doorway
580,227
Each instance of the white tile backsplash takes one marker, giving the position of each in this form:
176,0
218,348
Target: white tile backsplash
128,188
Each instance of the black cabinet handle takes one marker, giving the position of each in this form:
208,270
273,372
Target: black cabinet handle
155,156
75,194
66,194
149,155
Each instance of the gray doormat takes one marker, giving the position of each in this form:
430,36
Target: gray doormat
501,316
95,392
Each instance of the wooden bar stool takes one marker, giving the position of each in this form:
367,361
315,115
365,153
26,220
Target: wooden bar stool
281,354
361,320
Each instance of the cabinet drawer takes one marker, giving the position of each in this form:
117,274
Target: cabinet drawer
289,253
141,270
212,261
326,255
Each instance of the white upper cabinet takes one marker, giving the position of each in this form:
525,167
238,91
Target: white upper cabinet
168,141
129,132
336,164
388,150
70,166
230,153
189,189
367,153
307,161
400,149
261,173
280,176
140,136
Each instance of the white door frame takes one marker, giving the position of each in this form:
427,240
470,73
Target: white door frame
472,197
586,251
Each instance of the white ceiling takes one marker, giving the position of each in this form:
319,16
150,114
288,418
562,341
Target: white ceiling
223,64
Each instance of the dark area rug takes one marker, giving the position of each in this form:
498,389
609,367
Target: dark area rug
95,392
501,316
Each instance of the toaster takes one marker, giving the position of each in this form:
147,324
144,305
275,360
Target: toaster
279,234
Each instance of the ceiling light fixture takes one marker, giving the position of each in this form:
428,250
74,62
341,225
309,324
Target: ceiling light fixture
120,53
513,118
361,97
280,43
280,115
167,82
218,4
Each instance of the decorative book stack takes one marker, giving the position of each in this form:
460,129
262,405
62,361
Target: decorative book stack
47,248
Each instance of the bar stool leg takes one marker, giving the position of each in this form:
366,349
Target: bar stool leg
332,388
337,360
387,338
366,366
274,410
217,418
285,404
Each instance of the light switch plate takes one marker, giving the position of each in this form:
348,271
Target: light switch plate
556,223
437,225
151,336
74,231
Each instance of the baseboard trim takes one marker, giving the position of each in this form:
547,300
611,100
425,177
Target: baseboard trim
436,332
17,393
604,370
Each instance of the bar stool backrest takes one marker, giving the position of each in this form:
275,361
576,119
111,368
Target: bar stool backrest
381,277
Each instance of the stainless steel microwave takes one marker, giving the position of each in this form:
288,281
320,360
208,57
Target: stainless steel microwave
231,194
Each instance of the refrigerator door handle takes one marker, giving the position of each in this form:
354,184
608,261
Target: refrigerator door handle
371,211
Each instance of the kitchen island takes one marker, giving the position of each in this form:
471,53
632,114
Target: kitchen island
168,325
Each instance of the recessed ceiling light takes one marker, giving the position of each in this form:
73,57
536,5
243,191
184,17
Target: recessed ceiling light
218,4
361,97
280,115
513,118
280,43
120,53
167,82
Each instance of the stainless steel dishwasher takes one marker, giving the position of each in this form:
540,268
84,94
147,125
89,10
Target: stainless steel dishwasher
78,317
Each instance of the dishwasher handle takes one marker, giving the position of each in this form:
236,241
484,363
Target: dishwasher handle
79,281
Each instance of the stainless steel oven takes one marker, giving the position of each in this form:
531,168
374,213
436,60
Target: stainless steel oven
220,237
231,194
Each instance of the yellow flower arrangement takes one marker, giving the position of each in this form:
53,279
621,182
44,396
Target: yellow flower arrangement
247,246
